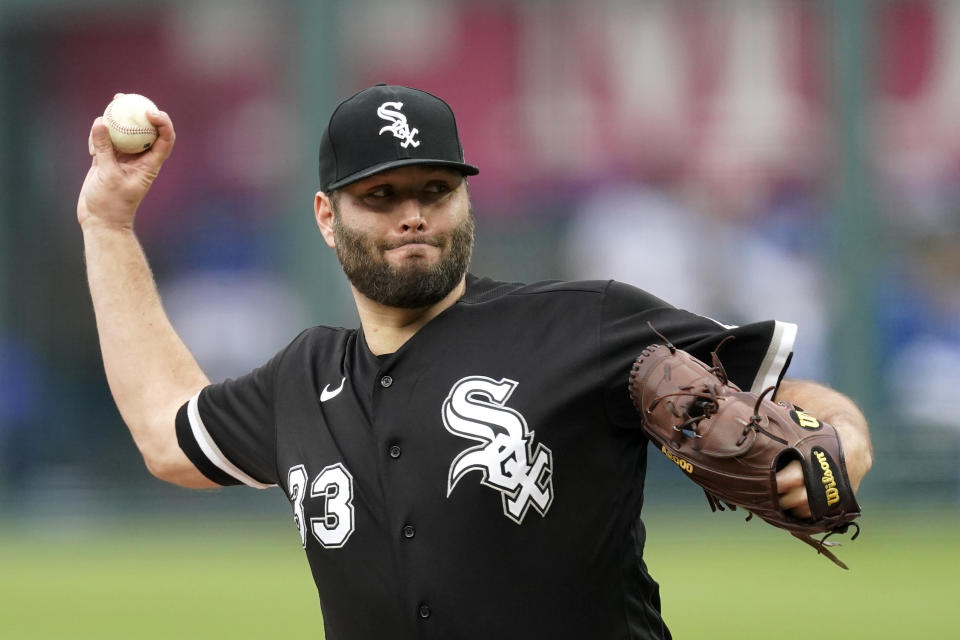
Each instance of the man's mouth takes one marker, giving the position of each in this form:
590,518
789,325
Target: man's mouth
417,242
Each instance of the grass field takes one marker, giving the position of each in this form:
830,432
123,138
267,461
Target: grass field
200,577
902,581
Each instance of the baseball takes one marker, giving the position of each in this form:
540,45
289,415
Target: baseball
126,118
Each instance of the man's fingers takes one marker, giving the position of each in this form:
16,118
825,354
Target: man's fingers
796,501
99,142
790,477
166,136
793,498
792,490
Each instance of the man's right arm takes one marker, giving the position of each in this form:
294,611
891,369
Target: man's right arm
149,369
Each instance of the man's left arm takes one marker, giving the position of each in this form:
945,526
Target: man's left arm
836,409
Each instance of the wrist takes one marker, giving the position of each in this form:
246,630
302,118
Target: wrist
857,453
94,224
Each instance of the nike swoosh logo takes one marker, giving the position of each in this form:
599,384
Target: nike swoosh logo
327,393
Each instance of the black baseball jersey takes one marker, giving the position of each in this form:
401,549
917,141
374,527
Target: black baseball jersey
483,481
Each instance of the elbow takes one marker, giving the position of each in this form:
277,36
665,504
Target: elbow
176,469
166,461
156,440
158,465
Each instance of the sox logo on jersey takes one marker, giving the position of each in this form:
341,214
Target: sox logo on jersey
476,409
398,126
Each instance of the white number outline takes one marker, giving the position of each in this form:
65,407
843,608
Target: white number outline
335,485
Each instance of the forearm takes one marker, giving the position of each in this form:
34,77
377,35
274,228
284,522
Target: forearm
840,411
149,369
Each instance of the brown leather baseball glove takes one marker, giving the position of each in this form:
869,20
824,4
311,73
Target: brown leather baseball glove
733,442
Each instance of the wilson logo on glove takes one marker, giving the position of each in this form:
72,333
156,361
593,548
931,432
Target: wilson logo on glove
804,419
831,492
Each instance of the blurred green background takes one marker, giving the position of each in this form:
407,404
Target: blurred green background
744,159
244,577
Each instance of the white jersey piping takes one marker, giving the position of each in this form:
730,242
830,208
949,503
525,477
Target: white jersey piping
781,346
212,451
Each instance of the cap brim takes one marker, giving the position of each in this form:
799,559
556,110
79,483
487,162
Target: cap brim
462,167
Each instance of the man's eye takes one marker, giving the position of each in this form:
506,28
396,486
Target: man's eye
379,192
437,187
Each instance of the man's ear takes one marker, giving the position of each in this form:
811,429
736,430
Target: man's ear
323,211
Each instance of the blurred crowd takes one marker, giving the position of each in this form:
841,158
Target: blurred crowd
686,148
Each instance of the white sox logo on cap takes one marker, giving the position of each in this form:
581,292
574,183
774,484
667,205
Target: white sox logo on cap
398,127
353,146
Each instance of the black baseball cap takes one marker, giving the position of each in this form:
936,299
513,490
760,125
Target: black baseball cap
388,126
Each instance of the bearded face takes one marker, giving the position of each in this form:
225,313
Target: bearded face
416,283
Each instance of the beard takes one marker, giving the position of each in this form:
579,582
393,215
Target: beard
414,285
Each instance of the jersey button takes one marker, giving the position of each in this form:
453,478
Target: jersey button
409,531
424,611
394,452
386,381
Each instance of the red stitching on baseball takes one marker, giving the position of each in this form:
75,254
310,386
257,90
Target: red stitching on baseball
124,129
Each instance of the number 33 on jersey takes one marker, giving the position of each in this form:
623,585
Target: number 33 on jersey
335,486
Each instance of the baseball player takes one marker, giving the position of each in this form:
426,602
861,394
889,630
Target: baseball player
465,464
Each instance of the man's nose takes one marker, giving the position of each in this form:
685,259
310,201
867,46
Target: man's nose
411,216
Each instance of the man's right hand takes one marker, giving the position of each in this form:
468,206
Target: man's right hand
117,182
